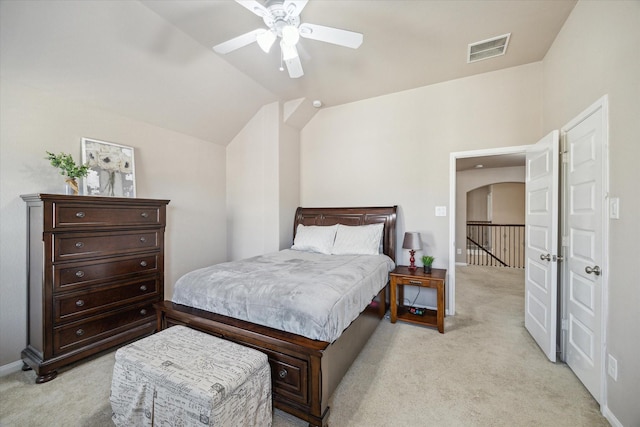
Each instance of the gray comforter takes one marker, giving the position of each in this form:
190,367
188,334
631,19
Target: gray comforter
309,294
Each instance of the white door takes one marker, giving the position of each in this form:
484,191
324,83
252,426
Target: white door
541,237
583,239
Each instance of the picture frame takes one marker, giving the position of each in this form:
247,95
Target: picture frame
111,169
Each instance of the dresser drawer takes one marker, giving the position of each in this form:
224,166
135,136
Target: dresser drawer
74,305
85,215
83,333
81,245
81,274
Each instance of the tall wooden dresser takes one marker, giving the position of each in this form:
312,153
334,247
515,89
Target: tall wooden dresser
95,268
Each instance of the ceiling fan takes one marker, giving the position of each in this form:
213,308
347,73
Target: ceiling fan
282,18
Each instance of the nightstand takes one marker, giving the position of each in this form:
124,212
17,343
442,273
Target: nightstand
403,276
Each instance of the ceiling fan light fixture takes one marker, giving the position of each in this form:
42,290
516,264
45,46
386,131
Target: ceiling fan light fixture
288,51
290,35
265,40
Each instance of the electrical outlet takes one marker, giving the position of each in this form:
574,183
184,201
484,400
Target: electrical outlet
612,367
459,251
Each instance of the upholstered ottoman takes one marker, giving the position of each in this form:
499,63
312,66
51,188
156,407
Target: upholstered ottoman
182,377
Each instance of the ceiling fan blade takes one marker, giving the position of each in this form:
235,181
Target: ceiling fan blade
331,35
255,7
294,67
238,42
294,7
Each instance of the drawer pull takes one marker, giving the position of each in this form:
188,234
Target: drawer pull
80,332
80,273
143,288
143,263
143,239
80,303
283,373
143,312
79,244
80,214
415,282
144,215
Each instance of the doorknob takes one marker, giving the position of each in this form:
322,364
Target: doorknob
595,270
546,257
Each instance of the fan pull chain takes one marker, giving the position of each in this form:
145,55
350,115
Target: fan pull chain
281,66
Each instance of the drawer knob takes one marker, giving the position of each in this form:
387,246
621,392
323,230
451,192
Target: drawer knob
80,214
144,215
143,239
143,287
283,373
80,332
143,263
80,303
80,273
143,312
79,244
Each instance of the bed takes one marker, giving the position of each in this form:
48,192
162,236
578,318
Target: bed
305,371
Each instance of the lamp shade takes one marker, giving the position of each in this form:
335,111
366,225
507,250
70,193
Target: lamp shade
412,241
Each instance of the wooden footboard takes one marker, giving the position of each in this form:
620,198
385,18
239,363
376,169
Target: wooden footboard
304,372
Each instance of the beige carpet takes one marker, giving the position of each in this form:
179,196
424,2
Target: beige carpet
484,371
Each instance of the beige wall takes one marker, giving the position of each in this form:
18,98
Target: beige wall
477,204
169,165
507,203
262,185
395,149
289,161
597,53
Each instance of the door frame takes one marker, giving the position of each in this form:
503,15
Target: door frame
602,103
453,157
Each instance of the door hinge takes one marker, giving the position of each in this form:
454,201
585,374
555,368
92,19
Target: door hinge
565,325
565,241
565,156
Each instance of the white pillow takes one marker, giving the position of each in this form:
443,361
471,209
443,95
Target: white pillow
314,238
358,240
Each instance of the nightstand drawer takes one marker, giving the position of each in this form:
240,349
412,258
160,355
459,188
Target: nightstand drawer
414,281
81,245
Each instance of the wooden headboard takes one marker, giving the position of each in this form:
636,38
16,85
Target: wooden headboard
353,216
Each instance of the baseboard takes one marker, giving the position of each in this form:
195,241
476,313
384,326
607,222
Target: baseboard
461,264
10,368
610,417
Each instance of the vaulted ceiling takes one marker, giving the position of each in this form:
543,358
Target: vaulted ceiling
152,60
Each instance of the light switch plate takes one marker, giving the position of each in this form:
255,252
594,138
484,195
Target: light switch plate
441,211
614,208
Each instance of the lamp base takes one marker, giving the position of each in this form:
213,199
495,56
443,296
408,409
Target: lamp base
412,260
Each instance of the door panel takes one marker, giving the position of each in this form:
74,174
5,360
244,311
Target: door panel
584,229
542,172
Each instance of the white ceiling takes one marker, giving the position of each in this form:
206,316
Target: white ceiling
152,60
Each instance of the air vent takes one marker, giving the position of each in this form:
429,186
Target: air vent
489,48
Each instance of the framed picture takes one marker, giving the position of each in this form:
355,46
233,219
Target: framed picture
111,169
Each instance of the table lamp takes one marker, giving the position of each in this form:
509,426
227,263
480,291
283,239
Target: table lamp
413,243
